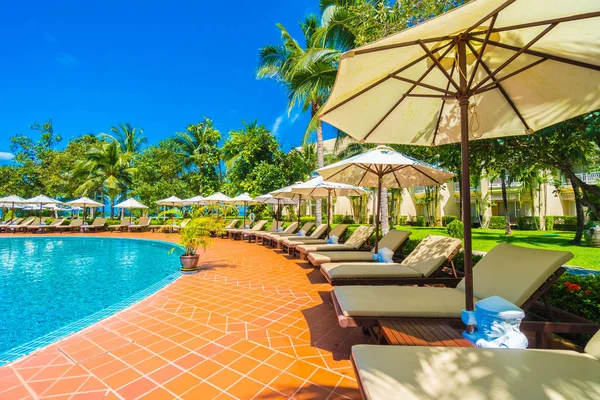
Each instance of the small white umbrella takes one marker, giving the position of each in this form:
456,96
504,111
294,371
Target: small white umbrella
84,202
41,200
243,199
196,200
130,204
288,193
170,201
12,199
384,166
275,200
317,187
217,198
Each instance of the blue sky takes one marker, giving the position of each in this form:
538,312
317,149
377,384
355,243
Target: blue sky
158,65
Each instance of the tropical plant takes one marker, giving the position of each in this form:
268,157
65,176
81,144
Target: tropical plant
456,229
130,138
197,233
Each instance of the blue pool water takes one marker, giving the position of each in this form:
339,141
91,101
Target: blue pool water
47,283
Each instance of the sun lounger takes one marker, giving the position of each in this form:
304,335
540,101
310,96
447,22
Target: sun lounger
275,239
42,228
14,222
72,227
231,225
125,222
517,274
354,242
170,228
97,225
23,225
290,242
251,235
421,266
143,224
392,240
239,233
427,373
290,230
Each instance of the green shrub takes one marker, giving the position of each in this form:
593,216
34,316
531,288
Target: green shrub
579,295
306,219
446,219
456,229
568,223
497,222
402,220
549,223
343,219
113,222
528,223
420,221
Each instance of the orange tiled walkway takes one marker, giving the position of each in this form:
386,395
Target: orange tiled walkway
253,324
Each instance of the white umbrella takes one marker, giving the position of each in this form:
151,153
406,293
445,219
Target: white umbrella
217,198
242,199
317,188
41,200
130,204
12,200
84,202
490,68
170,201
384,166
275,200
196,200
288,193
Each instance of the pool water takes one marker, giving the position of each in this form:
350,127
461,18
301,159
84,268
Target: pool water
47,283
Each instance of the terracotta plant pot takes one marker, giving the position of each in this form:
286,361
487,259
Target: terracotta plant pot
189,264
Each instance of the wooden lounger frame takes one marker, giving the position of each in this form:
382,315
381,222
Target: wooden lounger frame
437,277
370,322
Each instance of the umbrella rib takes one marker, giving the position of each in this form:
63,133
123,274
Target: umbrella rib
363,177
494,85
490,15
397,181
479,57
398,45
380,81
517,54
439,119
501,89
544,22
427,175
425,85
541,54
437,63
405,95
340,171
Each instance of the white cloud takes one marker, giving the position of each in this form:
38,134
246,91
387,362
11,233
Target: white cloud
49,38
67,60
294,117
277,124
4,156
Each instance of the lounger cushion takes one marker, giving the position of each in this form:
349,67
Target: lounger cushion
308,248
593,346
295,241
431,253
359,236
514,273
400,301
393,239
350,270
323,257
419,373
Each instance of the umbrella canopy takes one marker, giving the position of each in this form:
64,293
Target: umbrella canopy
11,201
217,198
490,68
243,199
84,202
384,166
170,201
196,200
270,199
288,192
130,203
42,199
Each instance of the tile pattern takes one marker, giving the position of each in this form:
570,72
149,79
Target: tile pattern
254,324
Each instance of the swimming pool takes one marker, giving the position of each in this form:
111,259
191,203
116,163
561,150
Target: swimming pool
47,283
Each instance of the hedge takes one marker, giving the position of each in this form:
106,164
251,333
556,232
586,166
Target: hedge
446,219
497,222
528,223
420,221
568,223
343,219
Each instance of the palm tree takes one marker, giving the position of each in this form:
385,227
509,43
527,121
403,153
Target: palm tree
107,167
131,139
308,73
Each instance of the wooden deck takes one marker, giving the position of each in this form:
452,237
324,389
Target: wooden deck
419,332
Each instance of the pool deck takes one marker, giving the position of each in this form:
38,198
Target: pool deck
252,324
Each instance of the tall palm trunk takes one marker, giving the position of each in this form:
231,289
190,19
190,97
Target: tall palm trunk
320,159
508,229
385,226
580,214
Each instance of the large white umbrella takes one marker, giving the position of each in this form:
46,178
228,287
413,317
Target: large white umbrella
217,198
84,202
384,167
130,204
288,193
171,201
490,68
41,200
243,199
196,200
269,198
12,200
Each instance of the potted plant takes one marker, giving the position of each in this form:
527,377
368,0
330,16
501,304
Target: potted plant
194,235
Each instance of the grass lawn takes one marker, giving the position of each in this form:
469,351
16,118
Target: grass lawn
486,239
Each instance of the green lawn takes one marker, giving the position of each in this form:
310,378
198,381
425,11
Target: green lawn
486,239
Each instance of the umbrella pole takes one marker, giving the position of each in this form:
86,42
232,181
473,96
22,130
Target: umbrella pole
12,214
328,212
245,212
378,213
299,207
466,187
